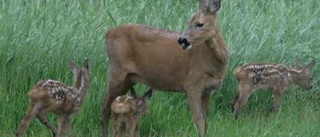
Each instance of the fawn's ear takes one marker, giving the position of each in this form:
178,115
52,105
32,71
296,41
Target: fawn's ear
86,63
297,64
133,92
148,94
73,66
311,64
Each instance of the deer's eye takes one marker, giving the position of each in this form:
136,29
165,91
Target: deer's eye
199,25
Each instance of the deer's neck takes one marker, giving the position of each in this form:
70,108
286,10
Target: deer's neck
292,75
81,84
217,54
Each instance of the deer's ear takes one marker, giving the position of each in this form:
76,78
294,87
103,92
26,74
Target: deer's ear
86,63
297,64
148,94
214,6
133,92
73,66
311,64
203,5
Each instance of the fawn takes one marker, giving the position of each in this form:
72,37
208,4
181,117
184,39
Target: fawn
54,96
126,112
274,76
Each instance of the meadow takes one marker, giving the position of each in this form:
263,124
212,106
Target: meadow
39,37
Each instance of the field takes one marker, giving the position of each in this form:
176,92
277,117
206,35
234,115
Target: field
39,37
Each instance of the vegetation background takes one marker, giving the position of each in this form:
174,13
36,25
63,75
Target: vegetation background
39,37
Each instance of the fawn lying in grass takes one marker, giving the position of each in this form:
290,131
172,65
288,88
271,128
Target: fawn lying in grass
54,96
126,112
272,76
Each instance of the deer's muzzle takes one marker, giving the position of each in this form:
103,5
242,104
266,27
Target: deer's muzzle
184,43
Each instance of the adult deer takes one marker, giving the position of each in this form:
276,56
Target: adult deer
54,96
154,57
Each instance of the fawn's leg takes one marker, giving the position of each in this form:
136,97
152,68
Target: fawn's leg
116,126
278,93
33,110
42,116
69,128
130,126
137,130
63,121
244,92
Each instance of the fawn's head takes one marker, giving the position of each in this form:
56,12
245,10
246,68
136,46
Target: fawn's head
202,24
80,74
303,77
141,103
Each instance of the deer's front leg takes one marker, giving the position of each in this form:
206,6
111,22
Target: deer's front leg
194,100
131,126
278,93
116,125
137,130
205,103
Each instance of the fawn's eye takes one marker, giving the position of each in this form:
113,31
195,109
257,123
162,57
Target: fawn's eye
199,25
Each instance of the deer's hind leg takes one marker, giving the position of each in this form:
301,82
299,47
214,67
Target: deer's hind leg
33,110
244,92
69,128
117,86
42,116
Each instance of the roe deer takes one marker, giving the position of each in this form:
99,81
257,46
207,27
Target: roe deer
274,76
126,112
154,57
54,96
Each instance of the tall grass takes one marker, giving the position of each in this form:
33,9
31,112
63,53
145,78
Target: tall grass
39,37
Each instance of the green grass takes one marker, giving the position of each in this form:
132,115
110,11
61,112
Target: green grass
39,37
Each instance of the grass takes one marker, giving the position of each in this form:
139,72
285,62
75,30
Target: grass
39,37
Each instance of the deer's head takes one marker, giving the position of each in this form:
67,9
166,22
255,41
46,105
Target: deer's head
141,103
80,74
303,77
202,24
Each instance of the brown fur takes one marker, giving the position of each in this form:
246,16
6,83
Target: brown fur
54,96
151,56
274,76
126,112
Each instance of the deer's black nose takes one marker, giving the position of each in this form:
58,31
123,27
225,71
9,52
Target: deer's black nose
184,43
182,40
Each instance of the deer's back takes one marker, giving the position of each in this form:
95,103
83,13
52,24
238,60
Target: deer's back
266,74
56,95
122,104
153,56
